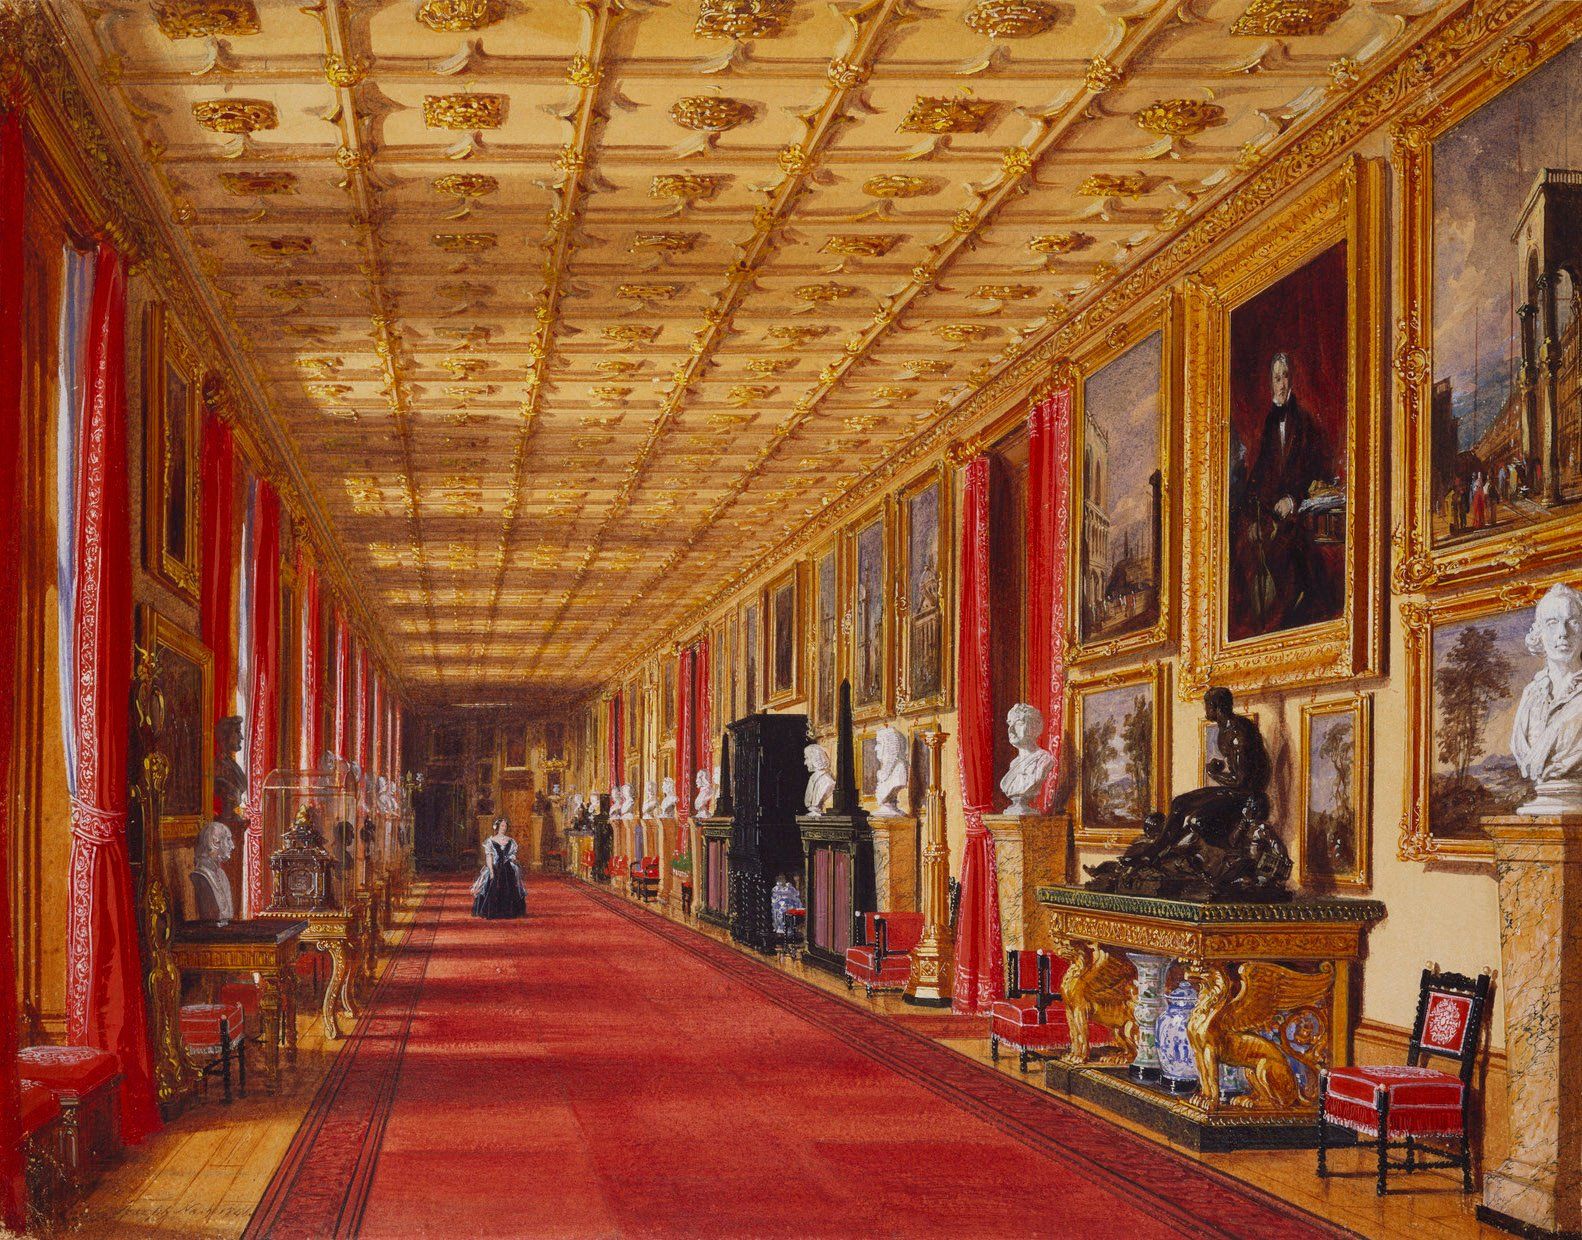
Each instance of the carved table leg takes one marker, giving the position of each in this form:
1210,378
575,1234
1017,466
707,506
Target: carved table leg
337,954
269,1008
1098,988
288,1014
351,974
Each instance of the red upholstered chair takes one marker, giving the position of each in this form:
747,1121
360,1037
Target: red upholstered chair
883,960
1423,1110
213,1033
41,1140
1031,1019
250,996
86,1083
645,878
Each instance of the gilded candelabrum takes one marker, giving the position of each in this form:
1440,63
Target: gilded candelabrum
934,958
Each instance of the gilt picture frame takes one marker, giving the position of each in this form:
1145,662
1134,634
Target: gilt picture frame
752,656
1125,714
1126,407
514,748
1283,585
783,638
869,617
924,593
1334,822
668,677
185,679
825,650
172,494
1465,337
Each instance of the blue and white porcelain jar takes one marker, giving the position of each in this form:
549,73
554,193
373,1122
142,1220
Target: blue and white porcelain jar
1177,1068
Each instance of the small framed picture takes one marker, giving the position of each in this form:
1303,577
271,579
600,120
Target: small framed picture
783,614
514,750
172,387
1335,836
1123,752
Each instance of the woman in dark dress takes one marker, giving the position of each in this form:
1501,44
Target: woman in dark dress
498,892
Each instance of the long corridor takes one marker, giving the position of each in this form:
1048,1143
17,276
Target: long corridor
596,1070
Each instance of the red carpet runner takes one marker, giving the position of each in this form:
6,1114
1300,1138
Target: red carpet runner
598,1071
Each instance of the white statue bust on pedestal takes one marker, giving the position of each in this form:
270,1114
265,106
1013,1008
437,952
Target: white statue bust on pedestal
702,804
650,805
1030,768
894,773
667,799
624,803
820,783
211,886
1546,740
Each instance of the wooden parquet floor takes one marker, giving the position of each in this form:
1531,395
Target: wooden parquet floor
204,1174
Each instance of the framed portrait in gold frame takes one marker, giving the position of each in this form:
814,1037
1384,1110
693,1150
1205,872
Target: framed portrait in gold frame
825,650
667,695
1466,666
924,542
752,655
1492,482
172,398
185,677
720,665
1121,733
870,618
783,634
513,748
1127,405
1282,455
1334,825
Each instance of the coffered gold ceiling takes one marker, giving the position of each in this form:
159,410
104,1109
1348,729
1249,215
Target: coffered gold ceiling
572,309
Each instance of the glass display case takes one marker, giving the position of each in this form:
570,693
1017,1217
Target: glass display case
311,841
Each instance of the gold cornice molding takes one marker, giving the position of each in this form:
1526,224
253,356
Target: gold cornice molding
63,116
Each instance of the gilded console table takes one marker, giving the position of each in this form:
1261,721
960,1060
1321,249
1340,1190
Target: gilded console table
338,933
1273,990
265,947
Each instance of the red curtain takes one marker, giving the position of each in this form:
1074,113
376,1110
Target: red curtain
342,739
360,691
686,762
702,714
13,198
312,670
104,971
263,702
216,625
1048,518
979,965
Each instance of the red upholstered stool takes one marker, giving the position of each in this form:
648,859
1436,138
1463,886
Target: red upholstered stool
883,961
86,1083
1031,1019
46,1174
212,1034
250,996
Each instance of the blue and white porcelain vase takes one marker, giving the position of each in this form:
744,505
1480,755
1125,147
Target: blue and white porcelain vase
1177,1068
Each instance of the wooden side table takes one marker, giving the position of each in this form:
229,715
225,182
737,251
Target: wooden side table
265,946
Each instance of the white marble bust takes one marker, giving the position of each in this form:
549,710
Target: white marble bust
667,799
211,886
820,783
623,803
1546,740
894,772
650,804
1030,768
702,804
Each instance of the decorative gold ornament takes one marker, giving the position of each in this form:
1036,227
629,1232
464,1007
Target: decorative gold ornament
608,393
464,243
668,242
466,184
1012,19
464,112
942,114
889,393
742,19
962,333
345,72
632,333
280,247
1344,73
689,187
749,393
206,19
1058,243
1114,185
1286,19
235,116
711,113
253,184
452,16
1004,292
823,293
616,366
294,290
920,366
863,245
1102,75
899,185
647,292
771,365
1179,118
583,72
793,335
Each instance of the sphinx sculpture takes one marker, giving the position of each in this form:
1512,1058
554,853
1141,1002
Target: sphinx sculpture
1216,844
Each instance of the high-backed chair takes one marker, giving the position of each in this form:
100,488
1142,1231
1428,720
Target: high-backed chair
1031,1019
883,960
86,1083
1425,1111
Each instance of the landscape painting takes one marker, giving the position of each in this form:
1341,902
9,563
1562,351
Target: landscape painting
1336,811
1286,497
827,630
1117,750
925,612
1121,527
1504,456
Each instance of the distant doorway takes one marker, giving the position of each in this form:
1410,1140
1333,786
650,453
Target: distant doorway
443,839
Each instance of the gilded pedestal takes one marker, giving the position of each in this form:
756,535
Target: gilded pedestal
1029,851
1274,985
933,976
1538,865
895,878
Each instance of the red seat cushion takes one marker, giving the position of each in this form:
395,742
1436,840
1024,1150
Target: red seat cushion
39,1106
1016,1022
249,995
1423,1101
902,930
200,1026
892,970
68,1069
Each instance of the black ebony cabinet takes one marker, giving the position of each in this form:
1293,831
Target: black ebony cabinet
768,785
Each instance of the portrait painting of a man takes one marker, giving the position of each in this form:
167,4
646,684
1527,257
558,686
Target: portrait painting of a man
1286,494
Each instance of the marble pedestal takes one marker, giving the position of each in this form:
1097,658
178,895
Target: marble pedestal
665,848
1029,851
1537,1190
894,862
